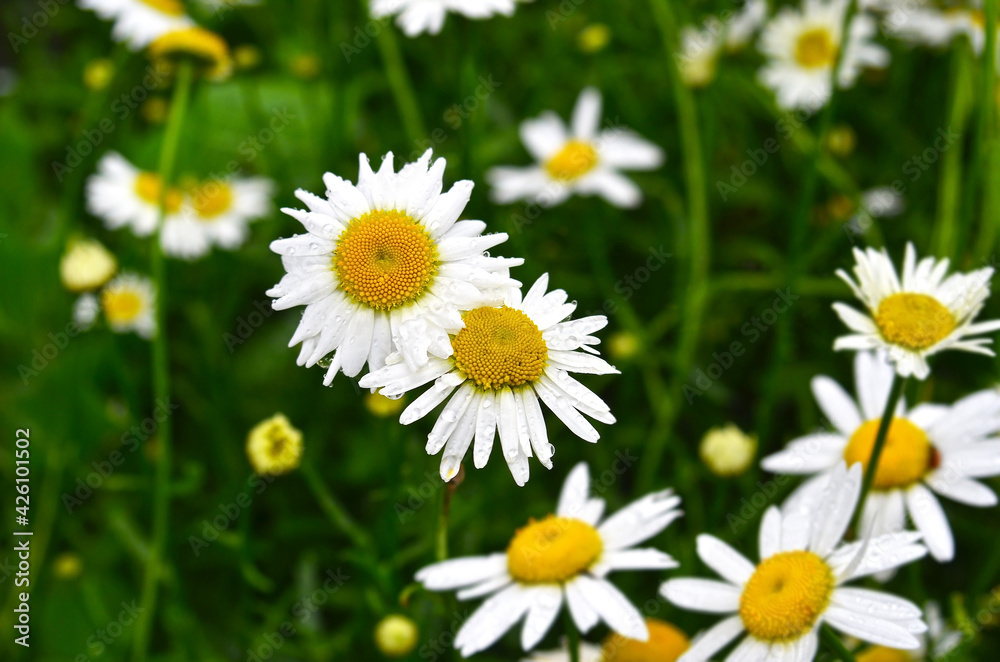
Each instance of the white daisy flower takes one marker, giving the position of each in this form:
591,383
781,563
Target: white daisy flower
698,56
666,643
802,47
930,448
918,316
122,195
85,311
503,361
936,644
216,212
128,303
417,16
741,28
139,22
931,26
385,267
798,585
564,557
581,159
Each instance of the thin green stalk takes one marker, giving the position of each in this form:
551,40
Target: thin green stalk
895,392
984,143
161,370
833,642
402,86
441,533
572,637
333,509
949,204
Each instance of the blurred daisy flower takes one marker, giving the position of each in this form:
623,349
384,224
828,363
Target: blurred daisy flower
564,557
216,212
918,316
699,53
417,16
928,25
743,25
139,22
802,47
727,451
385,267
665,644
936,644
781,602
930,448
503,360
86,308
581,159
128,305
122,195
274,446
86,265
207,50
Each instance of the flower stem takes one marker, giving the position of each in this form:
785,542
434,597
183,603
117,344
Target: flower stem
161,370
441,535
402,86
833,641
333,509
895,392
985,142
572,637
949,203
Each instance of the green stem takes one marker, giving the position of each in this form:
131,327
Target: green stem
572,637
333,509
441,534
950,179
895,392
832,640
402,86
985,140
161,370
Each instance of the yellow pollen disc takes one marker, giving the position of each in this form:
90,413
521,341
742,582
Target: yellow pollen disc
499,347
211,199
574,160
883,654
666,644
553,550
906,457
385,259
120,306
816,49
147,187
915,321
209,51
171,7
786,595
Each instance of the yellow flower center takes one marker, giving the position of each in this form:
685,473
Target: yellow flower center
883,654
385,259
147,187
666,644
121,306
171,7
786,595
906,456
209,51
553,550
816,49
915,321
211,199
499,347
274,446
574,160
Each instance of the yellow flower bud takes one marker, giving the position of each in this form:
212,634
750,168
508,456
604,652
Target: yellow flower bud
396,636
593,38
727,451
383,407
274,446
98,73
86,265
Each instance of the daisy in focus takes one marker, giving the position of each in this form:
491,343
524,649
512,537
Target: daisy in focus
781,602
580,159
122,195
929,449
128,305
139,22
917,316
417,16
562,558
385,267
216,212
802,47
665,644
503,361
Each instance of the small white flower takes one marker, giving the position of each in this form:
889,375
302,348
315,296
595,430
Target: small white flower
699,53
503,361
741,28
802,47
417,16
918,316
139,22
122,195
934,27
85,311
581,160
564,557
385,267
129,304
930,448
798,585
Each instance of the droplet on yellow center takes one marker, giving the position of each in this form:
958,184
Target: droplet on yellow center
915,321
816,48
171,7
552,550
499,347
211,199
121,306
666,644
574,160
786,595
883,654
906,456
385,259
147,187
